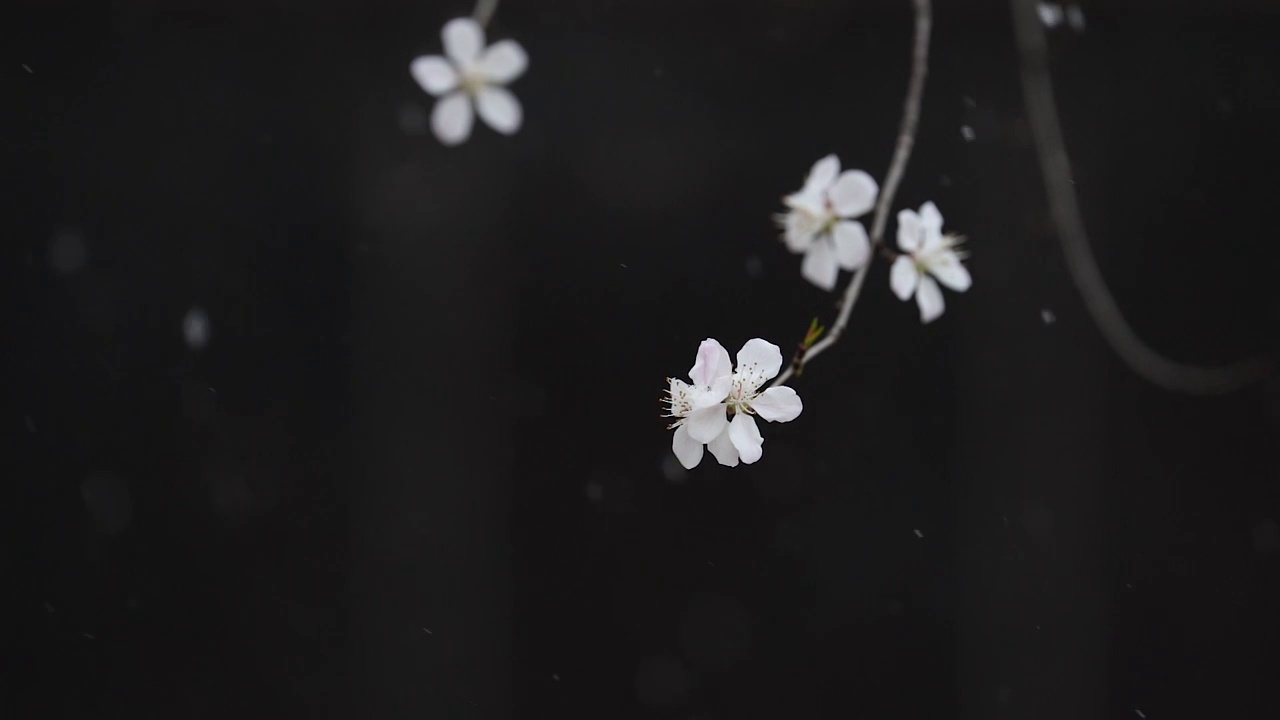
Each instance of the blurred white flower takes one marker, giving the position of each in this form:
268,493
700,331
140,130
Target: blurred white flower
471,73
819,221
928,255
703,408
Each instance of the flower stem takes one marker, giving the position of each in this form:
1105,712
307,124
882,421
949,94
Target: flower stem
897,166
484,11
1042,112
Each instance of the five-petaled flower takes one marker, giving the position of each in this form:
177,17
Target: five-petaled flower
819,222
471,73
701,409
929,255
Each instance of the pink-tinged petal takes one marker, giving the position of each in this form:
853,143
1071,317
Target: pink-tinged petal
853,194
822,174
929,298
778,404
746,438
688,451
452,119
503,62
819,265
930,217
909,231
434,74
758,362
724,451
852,245
946,267
903,277
706,423
499,109
463,40
712,363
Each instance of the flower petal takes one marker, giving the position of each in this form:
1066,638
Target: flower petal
499,109
706,423
822,174
452,118
746,438
813,202
463,40
434,74
758,362
929,298
853,194
931,217
910,231
722,447
712,363
778,404
503,62
688,451
852,245
950,272
799,228
903,277
819,265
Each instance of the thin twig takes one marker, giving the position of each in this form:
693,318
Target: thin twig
898,166
1042,112
484,11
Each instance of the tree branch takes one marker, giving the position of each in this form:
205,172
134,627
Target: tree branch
1042,111
897,166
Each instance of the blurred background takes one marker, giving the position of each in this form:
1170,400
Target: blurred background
311,416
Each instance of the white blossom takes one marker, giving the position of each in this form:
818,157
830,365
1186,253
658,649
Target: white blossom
471,73
819,221
718,391
928,255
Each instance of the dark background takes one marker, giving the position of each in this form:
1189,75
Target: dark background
418,471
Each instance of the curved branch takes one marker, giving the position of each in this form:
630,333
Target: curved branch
897,167
1042,112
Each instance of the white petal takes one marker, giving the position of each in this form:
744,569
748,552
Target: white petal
822,174
746,438
799,228
688,451
463,41
851,244
853,194
950,272
931,217
713,394
813,202
503,62
712,363
929,298
903,277
758,362
909,231
434,74
722,447
451,120
706,423
778,404
819,265
499,109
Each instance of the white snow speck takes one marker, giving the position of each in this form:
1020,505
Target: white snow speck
426,631
1075,18
918,533
967,133
28,69
195,328
555,677
1047,316
1139,713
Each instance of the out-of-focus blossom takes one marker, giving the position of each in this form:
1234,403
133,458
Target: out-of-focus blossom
819,221
928,255
471,74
